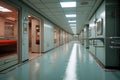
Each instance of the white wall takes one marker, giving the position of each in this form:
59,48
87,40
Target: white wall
48,35
99,52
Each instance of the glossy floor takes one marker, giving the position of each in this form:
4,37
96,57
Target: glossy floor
68,62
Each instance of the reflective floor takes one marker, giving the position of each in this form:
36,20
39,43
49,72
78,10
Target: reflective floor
68,62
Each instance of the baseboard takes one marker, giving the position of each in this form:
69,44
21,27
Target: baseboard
113,67
47,50
102,65
97,60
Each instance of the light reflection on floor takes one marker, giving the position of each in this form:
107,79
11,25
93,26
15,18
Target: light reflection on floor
33,55
70,73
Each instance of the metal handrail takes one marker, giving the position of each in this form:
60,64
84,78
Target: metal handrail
99,38
114,41
99,46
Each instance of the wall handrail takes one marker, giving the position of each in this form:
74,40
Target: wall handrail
99,38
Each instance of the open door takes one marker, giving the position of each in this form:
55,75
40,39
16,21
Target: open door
34,37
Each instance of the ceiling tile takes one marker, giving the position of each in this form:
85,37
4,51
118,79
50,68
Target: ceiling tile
70,10
66,0
40,5
33,1
45,10
81,9
52,5
56,10
50,1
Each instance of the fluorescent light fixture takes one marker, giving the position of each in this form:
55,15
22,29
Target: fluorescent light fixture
67,4
92,25
70,15
71,21
72,24
29,16
2,9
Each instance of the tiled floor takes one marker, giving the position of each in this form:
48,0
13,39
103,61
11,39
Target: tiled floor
68,62
33,55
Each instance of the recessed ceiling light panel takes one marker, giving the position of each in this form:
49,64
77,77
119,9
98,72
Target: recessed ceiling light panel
2,9
70,15
71,21
67,4
72,24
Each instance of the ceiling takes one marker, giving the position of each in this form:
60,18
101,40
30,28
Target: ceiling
52,10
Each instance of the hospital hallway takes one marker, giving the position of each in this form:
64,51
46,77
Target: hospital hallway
70,61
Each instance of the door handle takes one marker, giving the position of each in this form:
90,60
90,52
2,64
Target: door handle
114,42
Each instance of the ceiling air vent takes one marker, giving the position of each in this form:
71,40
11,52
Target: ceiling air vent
84,3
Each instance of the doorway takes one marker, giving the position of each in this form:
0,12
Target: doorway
34,37
8,35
